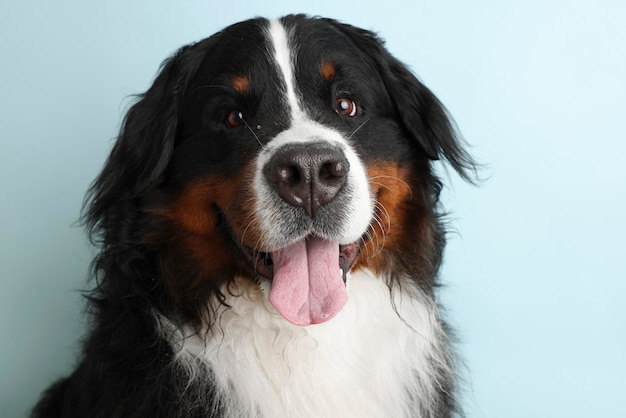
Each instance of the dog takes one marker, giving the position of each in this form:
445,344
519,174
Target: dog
271,236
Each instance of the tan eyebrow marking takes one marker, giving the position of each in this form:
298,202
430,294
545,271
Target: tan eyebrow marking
328,70
241,83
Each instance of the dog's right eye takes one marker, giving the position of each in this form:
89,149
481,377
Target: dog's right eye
345,106
234,118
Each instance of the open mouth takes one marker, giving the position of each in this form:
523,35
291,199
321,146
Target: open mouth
308,277
263,263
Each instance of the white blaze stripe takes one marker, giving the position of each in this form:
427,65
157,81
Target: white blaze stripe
359,203
283,57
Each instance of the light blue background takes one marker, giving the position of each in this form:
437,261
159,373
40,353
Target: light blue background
536,274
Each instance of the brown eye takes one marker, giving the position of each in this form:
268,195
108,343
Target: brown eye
234,119
345,107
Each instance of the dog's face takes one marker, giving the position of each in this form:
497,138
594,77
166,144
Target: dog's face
285,153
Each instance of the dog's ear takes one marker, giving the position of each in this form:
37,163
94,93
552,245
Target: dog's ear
424,117
145,144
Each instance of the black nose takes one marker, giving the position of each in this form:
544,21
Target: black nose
307,175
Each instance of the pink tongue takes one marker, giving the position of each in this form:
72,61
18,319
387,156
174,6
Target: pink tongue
307,287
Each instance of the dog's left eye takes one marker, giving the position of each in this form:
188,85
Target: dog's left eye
234,118
345,107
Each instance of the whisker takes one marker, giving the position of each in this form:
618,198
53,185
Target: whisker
257,244
359,127
383,211
393,178
381,217
381,239
367,238
243,234
252,132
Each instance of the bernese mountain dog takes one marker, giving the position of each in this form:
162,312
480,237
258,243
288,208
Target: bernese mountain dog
270,236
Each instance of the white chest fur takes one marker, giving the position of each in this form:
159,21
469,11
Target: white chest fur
371,360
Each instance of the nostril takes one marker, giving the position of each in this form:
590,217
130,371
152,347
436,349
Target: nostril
289,175
333,171
307,175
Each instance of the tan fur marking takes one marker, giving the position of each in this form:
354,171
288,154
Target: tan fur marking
198,253
392,186
328,70
241,83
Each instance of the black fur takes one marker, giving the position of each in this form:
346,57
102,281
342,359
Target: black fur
127,368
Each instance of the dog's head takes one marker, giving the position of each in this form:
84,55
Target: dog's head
286,153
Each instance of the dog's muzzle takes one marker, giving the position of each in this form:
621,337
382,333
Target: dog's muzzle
307,175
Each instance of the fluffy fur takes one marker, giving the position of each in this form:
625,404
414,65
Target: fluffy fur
268,140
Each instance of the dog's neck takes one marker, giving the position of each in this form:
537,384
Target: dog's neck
360,364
